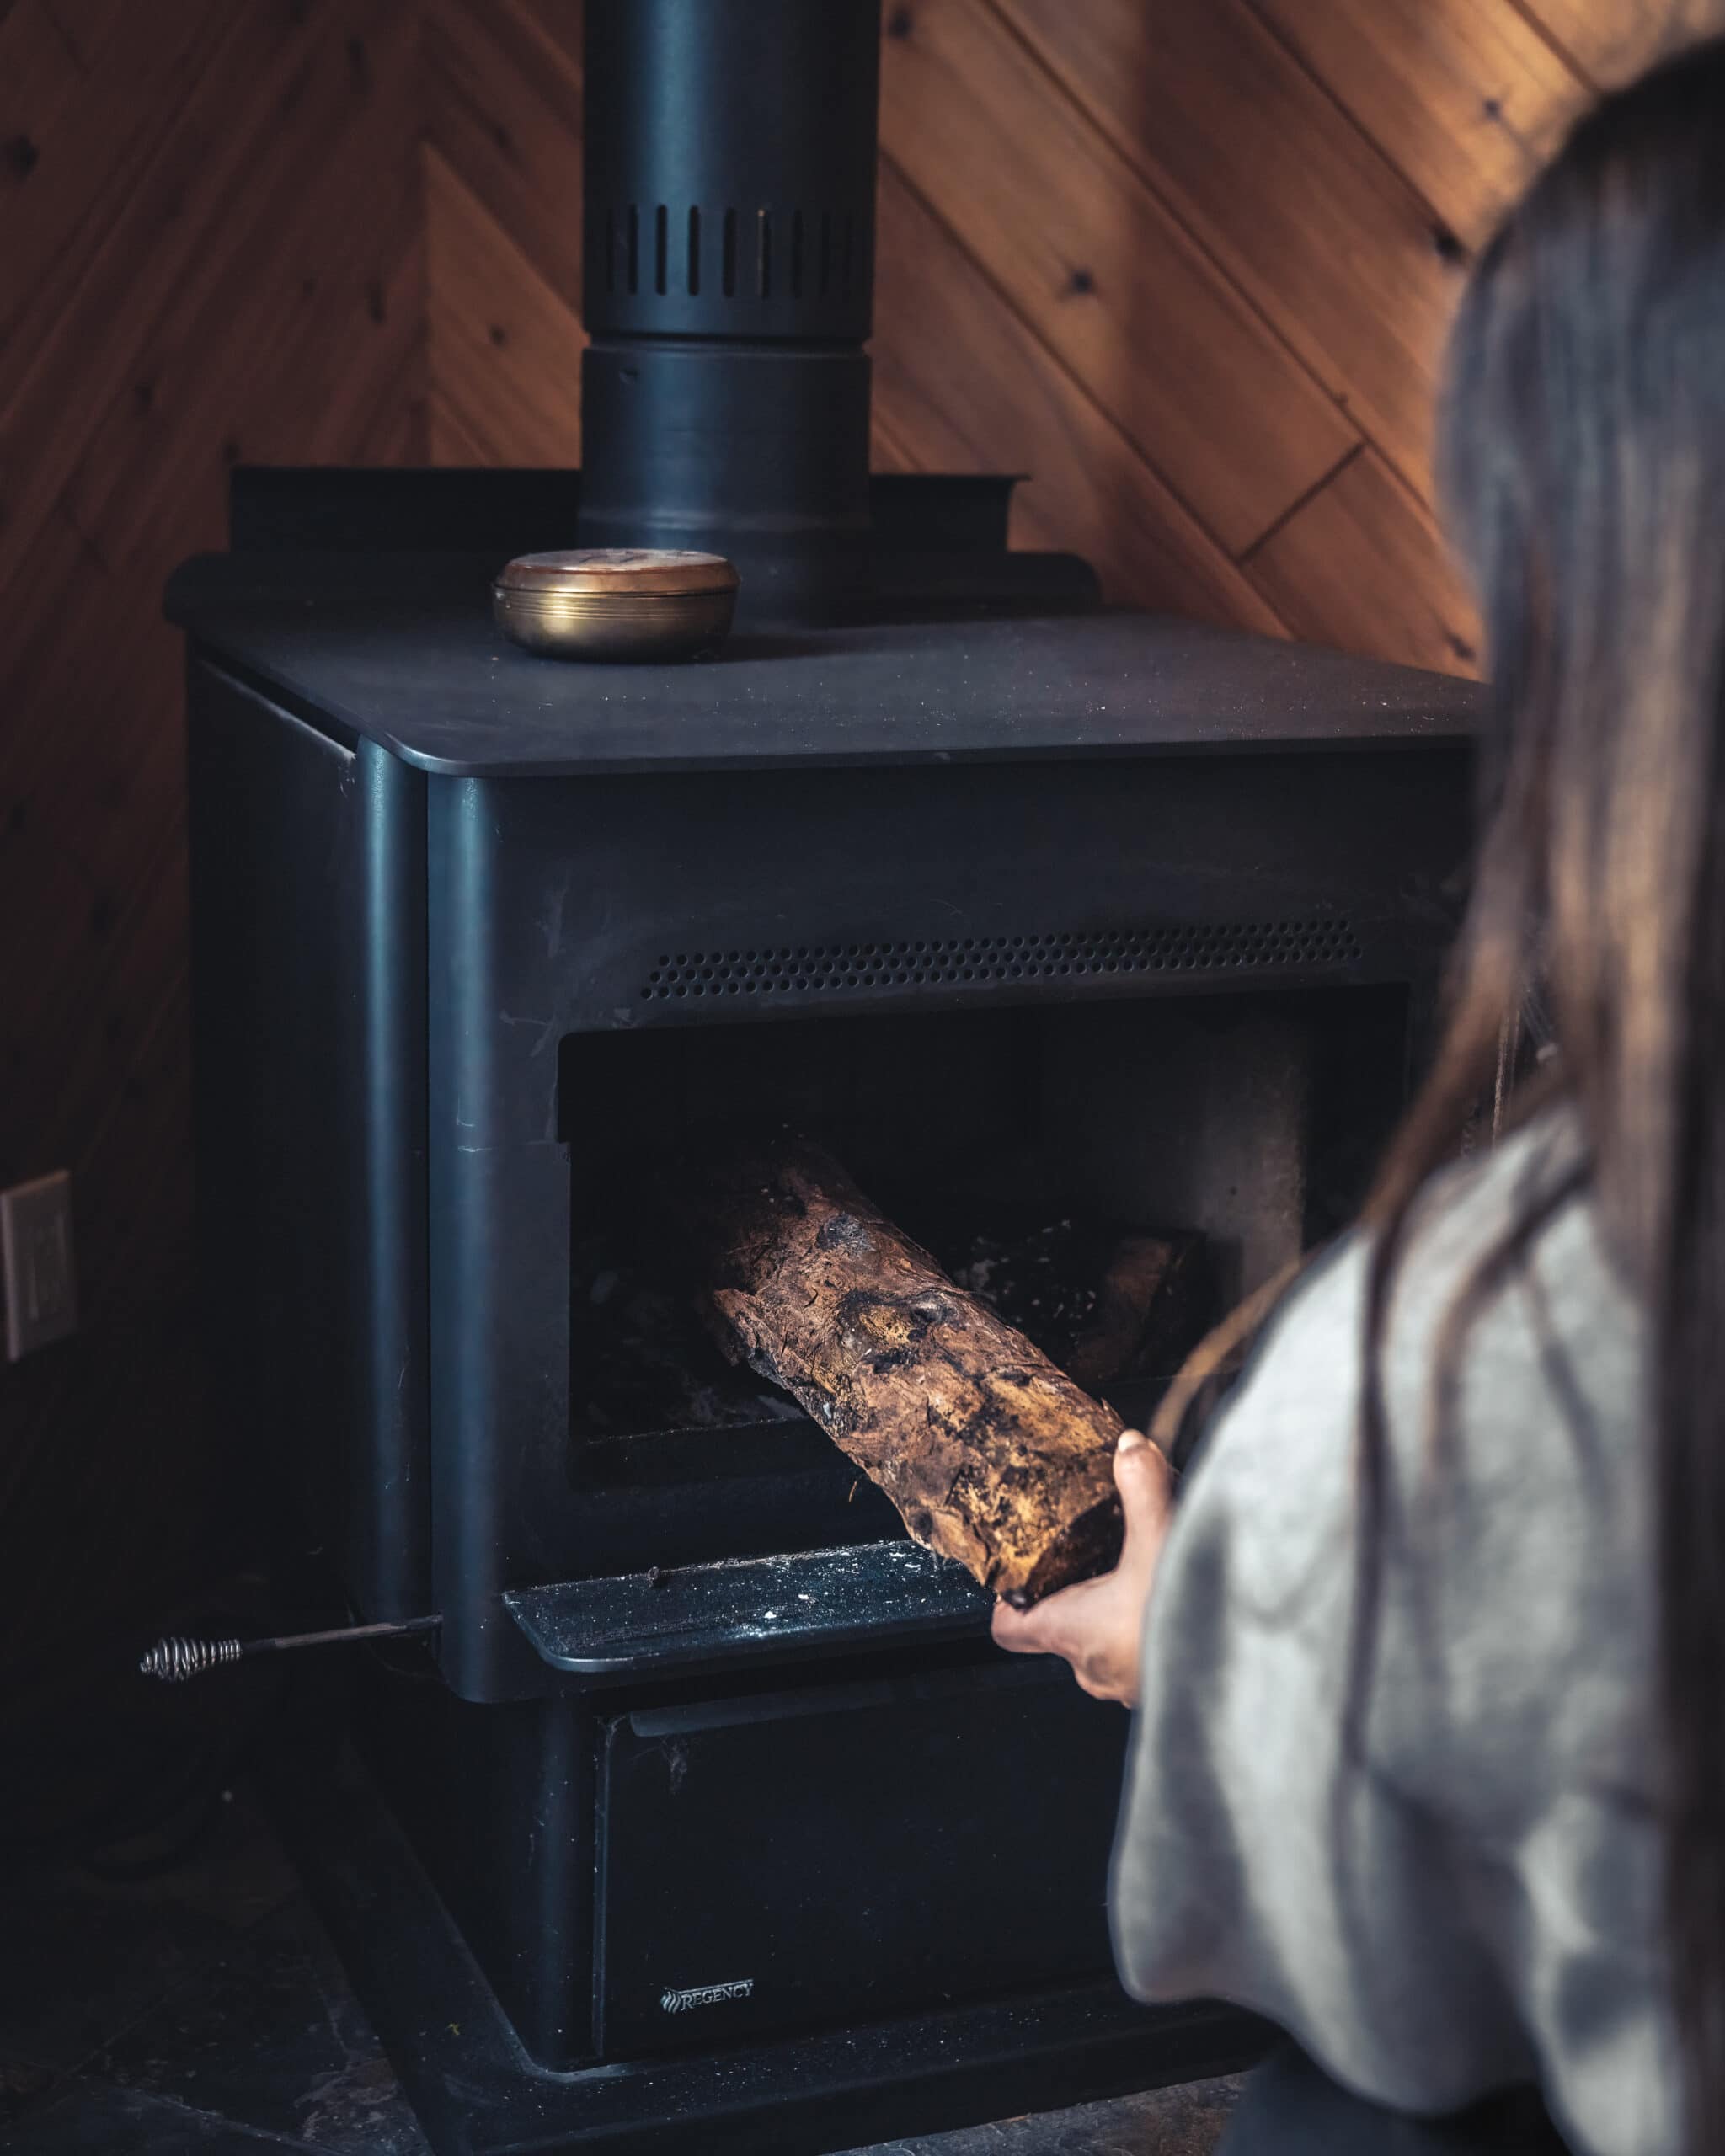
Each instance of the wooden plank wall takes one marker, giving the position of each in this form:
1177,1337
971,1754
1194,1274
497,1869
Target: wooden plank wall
1187,263
213,249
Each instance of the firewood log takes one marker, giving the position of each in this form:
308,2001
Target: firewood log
991,1454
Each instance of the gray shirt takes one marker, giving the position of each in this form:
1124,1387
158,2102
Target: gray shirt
1484,1908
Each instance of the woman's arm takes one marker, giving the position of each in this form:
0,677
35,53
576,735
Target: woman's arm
1462,1890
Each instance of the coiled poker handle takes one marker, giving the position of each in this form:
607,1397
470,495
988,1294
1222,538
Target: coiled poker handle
174,1660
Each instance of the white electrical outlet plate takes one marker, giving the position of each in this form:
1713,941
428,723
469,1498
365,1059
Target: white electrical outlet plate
35,1258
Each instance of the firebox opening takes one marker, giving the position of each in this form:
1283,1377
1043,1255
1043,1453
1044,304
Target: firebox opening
1025,1148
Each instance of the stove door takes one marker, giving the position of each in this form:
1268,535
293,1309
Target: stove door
849,1852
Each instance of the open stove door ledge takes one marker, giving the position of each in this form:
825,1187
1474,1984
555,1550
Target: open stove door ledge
701,1617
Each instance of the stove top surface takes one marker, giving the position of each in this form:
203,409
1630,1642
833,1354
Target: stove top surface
403,652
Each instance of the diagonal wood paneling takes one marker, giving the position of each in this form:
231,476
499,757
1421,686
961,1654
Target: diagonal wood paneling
1175,263
1110,280
1465,97
1339,255
215,242
961,383
1612,39
1188,266
1361,565
505,362
503,207
70,157
503,110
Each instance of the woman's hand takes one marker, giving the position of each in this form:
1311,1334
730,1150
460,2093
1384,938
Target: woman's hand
1097,1625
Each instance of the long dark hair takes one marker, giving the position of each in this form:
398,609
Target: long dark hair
1583,456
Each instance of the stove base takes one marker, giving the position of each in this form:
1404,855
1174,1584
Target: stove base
478,2094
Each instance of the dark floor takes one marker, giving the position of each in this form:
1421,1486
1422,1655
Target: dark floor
201,2012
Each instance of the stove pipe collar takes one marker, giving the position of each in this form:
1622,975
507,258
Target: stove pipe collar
730,149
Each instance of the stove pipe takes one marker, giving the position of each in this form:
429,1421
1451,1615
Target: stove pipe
728,288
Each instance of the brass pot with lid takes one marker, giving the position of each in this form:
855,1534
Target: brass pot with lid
617,603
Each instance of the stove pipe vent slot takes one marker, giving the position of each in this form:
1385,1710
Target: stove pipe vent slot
728,288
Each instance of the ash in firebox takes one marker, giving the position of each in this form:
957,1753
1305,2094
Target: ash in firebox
1046,1282
642,1361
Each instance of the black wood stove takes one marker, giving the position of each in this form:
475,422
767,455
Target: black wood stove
1036,912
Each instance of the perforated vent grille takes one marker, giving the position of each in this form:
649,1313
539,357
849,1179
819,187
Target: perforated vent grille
805,969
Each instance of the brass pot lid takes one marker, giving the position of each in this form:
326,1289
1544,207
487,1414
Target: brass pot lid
618,573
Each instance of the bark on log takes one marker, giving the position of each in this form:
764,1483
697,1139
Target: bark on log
991,1454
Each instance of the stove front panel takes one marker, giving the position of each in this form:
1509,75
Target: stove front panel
572,921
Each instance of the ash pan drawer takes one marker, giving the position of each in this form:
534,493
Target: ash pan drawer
851,1851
